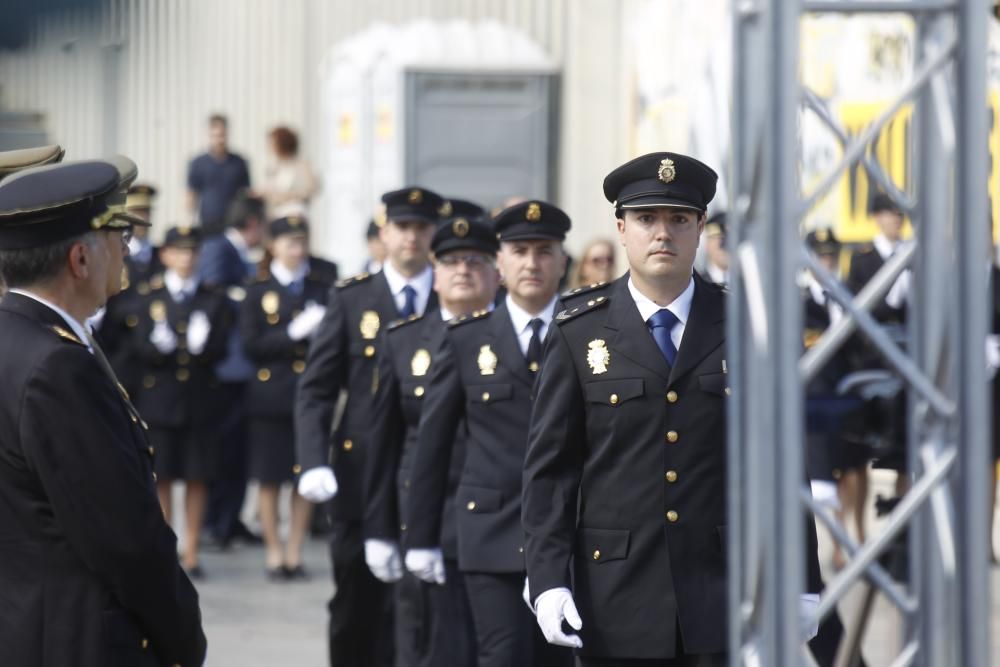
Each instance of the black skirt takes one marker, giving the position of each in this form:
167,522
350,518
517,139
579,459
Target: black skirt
272,450
191,455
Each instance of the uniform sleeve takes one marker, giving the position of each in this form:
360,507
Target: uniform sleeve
91,466
320,385
262,343
552,469
444,407
221,314
381,514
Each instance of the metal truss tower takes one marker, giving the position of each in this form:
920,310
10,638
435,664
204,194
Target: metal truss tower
945,601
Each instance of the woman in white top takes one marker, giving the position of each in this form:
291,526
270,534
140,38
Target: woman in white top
289,182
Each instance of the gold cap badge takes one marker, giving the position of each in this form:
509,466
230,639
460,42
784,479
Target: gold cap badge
460,227
667,171
415,197
534,213
446,209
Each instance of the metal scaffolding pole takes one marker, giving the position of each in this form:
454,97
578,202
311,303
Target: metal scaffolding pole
945,604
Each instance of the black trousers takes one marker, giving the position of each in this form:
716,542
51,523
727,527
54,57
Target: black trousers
361,619
506,631
228,489
681,659
434,623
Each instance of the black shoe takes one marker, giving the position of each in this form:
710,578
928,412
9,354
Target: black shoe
297,573
276,574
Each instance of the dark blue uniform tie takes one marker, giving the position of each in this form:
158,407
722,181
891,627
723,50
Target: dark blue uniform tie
660,325
410,302
534,355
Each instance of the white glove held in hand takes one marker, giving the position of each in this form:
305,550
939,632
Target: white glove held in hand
808,622
552,608
163,337
197,333
383,559
317,485
305,324
426,565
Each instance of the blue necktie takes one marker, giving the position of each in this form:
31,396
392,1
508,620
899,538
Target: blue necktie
295,287
660,325
410,302
534,355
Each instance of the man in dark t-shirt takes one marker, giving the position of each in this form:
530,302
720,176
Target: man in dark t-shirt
215,177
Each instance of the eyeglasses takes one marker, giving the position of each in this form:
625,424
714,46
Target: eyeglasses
471,261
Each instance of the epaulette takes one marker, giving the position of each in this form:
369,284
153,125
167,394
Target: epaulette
65,334
355,280
396,324
471,317
583,289
570,313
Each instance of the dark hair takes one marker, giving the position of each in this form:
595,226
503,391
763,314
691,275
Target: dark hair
218,119
244,207
30,266
286,142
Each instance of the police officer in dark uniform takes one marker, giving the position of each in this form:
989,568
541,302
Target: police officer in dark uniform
343,357
433,621
178,334
624,501
88,566
484,374
279,315
716,253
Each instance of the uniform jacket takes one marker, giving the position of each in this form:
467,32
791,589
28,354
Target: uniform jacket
88,567
625,477
342,356
267,311
179,389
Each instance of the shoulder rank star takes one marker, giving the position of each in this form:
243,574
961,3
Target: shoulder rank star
598,356
487,360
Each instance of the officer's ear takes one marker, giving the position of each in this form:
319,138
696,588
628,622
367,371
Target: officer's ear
79,258
620,224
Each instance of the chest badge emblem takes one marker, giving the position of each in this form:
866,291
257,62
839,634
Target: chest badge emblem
158,311
270,303
420,363
487,360
598,356
369,324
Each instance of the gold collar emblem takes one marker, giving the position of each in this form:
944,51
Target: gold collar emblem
598,356
420,362
667,171
369,324
487,360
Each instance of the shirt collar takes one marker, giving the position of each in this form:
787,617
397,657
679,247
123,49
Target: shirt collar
680,307
521,318
422,282
884,246
77,327
234,237
717,274
176,285
285,276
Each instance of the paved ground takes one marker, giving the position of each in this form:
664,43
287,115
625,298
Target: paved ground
251,622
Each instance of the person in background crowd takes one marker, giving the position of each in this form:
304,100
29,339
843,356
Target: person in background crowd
289,182
716,254
597,264
376,249
278,317
215,177
181,333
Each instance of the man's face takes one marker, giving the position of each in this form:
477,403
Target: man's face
466,276
407,242
661,242
253,232
290,250
715,248
218,137
105,262
890,223
532,269
182,261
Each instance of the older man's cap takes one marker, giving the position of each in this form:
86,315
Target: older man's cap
661,179
183,236
466,228
26,158
716,224
823,242
529,220
292,224
140,196
45,205
883,202
413,203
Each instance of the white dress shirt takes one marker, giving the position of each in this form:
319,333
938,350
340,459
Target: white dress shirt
423,283
884,246
718,275
286,277
680,307
820,297
77,328
178,286
521,319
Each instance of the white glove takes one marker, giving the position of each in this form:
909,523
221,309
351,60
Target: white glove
305,323
163,337
552,608
317,485
899,290
992,355
382,557
808,621
426,565
197,332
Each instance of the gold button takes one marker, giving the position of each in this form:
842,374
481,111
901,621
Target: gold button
591,302
131,321
154,476
298,366
533,367
145,426
672,436
183,375
183,358
672,516
486,396
520,550
671,397
296,468
348,445
145,643
148,382
273,318
150,450
370,351
402,526
671,476
418,392
471,505
135,420
597,554
729,392
613,399
264,375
